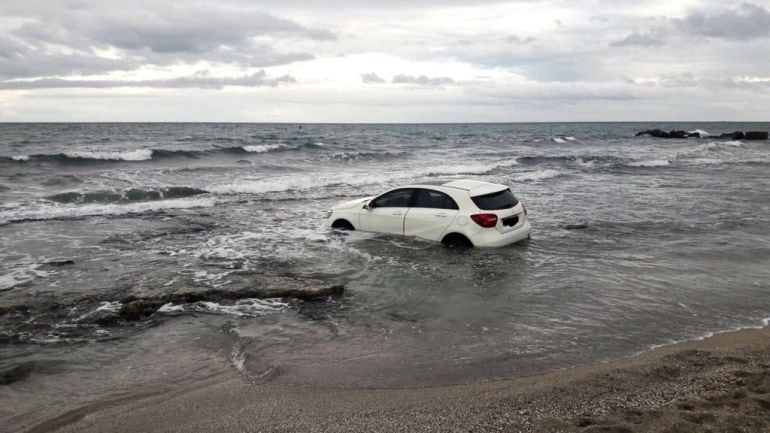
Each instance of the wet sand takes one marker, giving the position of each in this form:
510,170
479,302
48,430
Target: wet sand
721,384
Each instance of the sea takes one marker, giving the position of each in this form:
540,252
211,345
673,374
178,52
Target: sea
637,242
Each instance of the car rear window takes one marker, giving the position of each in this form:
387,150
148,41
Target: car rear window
497,200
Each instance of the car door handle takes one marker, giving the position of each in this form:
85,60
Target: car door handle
398,213
441,215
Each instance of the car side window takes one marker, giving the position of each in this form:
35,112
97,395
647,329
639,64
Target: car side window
397,198
435,199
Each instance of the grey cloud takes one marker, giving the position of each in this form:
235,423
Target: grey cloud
519,40
421,80
637,39
18,59
201,80
744,22
157,34
371,77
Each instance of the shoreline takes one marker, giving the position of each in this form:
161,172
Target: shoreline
719,383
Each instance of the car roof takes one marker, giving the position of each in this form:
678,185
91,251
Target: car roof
474,187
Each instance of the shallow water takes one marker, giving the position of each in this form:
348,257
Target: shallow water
636,242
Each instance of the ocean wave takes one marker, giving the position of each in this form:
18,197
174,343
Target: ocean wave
366,156
129,195
260,148
569,159
305,182
55,211
537,175
562,138
700,132
142,155
722,145
650,163
129,155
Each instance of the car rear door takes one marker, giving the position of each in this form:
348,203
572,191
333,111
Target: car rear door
385,213
432,212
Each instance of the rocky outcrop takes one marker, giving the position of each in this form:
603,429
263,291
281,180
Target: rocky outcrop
756,135
659,133
735,135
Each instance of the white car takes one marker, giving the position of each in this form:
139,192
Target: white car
457,213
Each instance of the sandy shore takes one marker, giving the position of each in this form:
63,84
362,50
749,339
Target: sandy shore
721,384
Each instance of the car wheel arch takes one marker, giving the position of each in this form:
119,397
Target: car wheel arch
343,224
456,240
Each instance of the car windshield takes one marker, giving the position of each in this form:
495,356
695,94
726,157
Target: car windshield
497,200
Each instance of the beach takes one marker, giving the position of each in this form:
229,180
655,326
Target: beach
721,383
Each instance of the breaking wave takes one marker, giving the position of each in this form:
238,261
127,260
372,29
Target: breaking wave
56,211
537,175
129,195
141,155
650,163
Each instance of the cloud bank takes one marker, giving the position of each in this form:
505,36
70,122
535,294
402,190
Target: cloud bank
343,60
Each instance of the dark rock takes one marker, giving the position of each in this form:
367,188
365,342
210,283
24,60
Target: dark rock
16,373
575,226
756,135
677,134
659,133
60,263
737,135
22,371
694,134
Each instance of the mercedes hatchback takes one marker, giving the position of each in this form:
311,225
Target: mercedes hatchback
457,213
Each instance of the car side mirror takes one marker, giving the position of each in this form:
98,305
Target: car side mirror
368,205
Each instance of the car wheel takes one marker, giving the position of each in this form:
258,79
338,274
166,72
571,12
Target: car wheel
342,225
456,241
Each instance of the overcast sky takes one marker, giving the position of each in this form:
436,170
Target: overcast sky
384,60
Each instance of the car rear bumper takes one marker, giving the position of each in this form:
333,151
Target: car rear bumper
493,238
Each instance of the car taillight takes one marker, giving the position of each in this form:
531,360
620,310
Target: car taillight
524,206
485,219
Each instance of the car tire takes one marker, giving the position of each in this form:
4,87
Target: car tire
456,241
343,225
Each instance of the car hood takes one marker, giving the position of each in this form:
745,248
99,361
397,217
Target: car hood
352,203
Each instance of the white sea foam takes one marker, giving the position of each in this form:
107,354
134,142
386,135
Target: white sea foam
129,155
558,140
249,307
261,148
109,307
20,157
171,308
650,163
21,271
722,145
570,138
54,210
238,358
707,161
537,175
701,132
